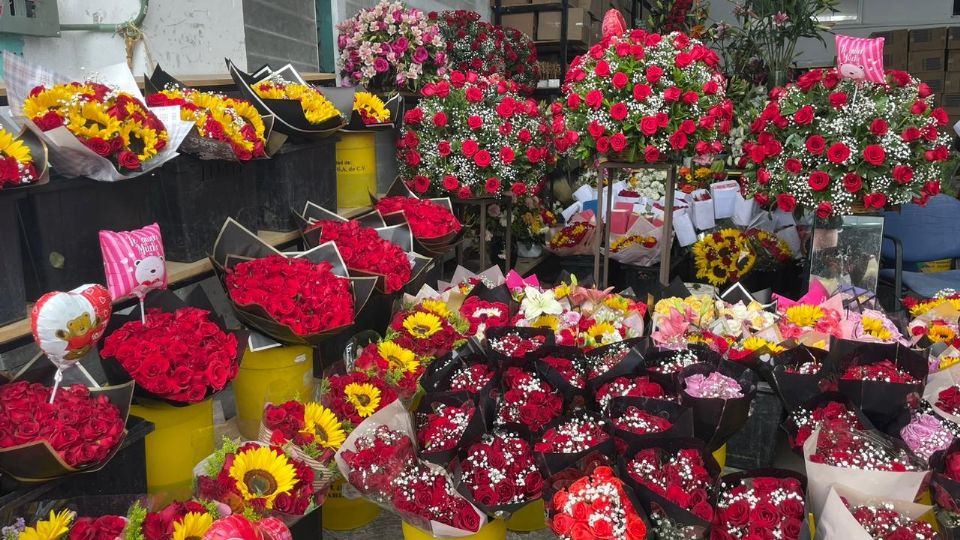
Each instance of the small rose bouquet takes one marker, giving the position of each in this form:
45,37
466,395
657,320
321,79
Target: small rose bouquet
849,513
390,47
575,238
829,410
633,387
637,419
257,479
798,320
798,374
720,398
527,399
771,505
444,425
429,328
663,366
596,505
482,314
565,368
566,440
513,346
356,395
435,229
499,473
802,154
468,373
310,431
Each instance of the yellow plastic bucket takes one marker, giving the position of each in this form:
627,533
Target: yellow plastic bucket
940,265
494,530
271,376
356,169
529,518
181,438
343,514
720,454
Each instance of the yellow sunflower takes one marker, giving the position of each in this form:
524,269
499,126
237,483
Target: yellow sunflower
939,333
261,473
948,361
599,330
90,121
370,106
14,148
803,315
364,397
422,325
754,343
317,109
546,321
875,328
436,306
561,291
193,526
326,429
723,256
52,528
398,358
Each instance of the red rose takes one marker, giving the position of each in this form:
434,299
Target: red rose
874,154
469,147
641,92
690,97
602,69
737,514
99,146
931,187
602,144
474,121
671,94
482,158
533,155
412,158
128,160
595,129
902,174
678,140
911,134
421,183
940,116
875,200
618,111
763,176
804,115
792,508
818,180
620,80
918,107
507,155
879,127
710,87
440,119
786,202
524,135
450,183
654,73
594,99
413,116
824,209
618,142
474,94
651,154
793,165
573,101
816,145
443,148
492,185
838,99
648,125
852,182
518,189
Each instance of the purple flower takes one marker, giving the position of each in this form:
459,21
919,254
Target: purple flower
420,55
380,65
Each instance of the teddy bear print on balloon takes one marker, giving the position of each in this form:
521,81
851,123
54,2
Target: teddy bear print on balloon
860,58
133,261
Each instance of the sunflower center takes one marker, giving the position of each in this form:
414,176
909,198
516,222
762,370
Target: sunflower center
260,482
192,538
321,434
394,361
363,399
420,329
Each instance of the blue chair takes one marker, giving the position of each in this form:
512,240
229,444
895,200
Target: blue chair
917,234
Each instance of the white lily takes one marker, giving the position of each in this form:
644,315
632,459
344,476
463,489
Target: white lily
536,303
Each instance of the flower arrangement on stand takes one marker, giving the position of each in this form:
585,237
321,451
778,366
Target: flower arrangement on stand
521,64
472,44
390,47
832,145
647,97
728,256
473,136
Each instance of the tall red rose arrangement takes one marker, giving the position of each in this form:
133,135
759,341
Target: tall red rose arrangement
473,136
647,97
181,356
364,250
829,144
472,44
520,61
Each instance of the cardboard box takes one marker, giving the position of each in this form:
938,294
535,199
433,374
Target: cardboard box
953,37
894,41
596,31
895,60
953,60
951,104
578,25
505,3
927,61
595,7
951,83
934,79
524,22
928,39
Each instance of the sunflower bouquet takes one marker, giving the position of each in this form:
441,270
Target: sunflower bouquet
317,109
310,431
429,329
257,480
17,164
371,108
178,520
728,255
98,128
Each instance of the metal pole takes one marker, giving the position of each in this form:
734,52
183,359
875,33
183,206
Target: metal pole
596,254
508,249
606,236
666,239
483,236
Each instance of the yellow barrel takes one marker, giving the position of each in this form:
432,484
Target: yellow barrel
356,169
529,518
494,530
181,438
271,376
720,454
343,514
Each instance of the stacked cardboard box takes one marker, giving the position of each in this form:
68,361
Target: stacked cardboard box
950,100
931,55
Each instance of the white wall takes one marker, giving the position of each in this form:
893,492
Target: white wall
876,15
183,36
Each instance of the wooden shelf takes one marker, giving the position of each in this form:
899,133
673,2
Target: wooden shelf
177,273
222,79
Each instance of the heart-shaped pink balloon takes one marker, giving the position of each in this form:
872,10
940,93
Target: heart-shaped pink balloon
613,23
237,527
66,325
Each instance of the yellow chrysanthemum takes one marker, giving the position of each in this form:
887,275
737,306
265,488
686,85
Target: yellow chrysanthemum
193,526
939,333
546,321
754,343
260,473
599,330
371,106
325,427
422,325
436,306
364,397
14,148
398,358
52,528
803,315
875,328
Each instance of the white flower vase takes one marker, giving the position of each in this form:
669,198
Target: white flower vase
529,250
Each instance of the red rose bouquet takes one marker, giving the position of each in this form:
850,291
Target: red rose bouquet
650,97
853,514
568,439
428,220
499,472
257,479
594,507
472,44
514,346
802,421
565,368
429,329
482,314
799,376
473,137
81,428
527,399
355,395
365,252
445,425
879,378
945,482
182,356
885,523
398,367
830,144
471,378
619,356
310,431
638,387
175,520
636,420
676,476
520,61
640,422
99,528
760,506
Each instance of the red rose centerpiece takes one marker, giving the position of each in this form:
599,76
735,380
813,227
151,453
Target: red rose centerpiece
80,430
760,506
650,97
882,521
473,136
594,507
831,144
182,356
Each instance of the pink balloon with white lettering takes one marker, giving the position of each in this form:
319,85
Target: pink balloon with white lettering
860,58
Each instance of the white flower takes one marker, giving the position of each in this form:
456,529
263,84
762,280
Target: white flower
536,303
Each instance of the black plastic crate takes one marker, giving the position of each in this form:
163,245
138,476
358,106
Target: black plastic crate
13,294
62,220
192,198
297,173
755,445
